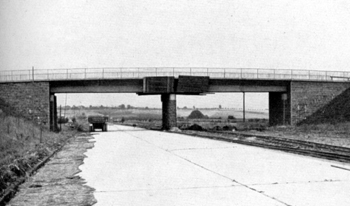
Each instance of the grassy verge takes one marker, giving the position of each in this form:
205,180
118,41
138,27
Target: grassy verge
23,144
333,134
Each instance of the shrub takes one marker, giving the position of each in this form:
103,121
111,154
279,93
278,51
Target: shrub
62,120
231,117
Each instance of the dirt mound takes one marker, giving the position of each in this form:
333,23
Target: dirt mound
196,114
196,127
336,111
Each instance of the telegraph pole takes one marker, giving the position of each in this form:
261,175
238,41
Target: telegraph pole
243,106
60,118
33,118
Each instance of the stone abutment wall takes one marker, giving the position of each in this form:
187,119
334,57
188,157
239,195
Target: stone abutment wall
27,99
307,98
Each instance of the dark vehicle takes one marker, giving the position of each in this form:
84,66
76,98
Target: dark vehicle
97,122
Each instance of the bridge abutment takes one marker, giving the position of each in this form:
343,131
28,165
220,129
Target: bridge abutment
168,111
279,108
309,98
30,100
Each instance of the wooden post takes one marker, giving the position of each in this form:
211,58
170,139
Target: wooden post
60,118
243,106
33,74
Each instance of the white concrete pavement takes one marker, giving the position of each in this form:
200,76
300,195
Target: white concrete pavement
133,166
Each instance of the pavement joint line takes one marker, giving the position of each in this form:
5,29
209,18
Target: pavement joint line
169,189
198,165
338,167
303,182
200,148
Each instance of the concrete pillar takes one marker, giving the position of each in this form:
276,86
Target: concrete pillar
168,111
279,108
53,113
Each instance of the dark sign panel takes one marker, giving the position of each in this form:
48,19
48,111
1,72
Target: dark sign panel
192,84
158,85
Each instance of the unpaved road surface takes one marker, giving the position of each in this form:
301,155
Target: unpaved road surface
58,182
133,166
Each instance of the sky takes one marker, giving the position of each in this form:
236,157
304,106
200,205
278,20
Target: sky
279,34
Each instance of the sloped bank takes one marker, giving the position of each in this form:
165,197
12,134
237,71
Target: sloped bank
57,183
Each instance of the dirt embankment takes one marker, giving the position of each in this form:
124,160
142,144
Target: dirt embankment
56,183
336,111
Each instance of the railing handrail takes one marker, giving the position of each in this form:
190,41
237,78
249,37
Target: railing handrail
140,72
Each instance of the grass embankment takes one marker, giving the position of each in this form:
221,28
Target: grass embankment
24,144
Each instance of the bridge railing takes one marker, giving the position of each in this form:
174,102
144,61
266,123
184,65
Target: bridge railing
138,73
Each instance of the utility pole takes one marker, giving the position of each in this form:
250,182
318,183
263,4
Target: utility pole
60,118
243,106
32,112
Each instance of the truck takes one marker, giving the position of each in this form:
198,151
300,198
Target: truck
97,122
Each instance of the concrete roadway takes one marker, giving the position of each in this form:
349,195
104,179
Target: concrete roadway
133,166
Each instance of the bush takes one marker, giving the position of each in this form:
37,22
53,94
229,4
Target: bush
231,117
62,120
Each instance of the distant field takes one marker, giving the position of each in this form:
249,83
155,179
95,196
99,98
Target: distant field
224,113
157,113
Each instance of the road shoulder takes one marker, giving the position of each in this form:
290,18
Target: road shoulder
57,183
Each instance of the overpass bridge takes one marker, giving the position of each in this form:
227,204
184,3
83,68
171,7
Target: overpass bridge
293,94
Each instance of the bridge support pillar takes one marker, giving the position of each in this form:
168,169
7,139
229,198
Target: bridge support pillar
53,113
279,108
168,111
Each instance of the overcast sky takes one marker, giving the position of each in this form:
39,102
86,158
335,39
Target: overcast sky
280,34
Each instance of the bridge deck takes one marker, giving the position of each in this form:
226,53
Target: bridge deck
139,73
